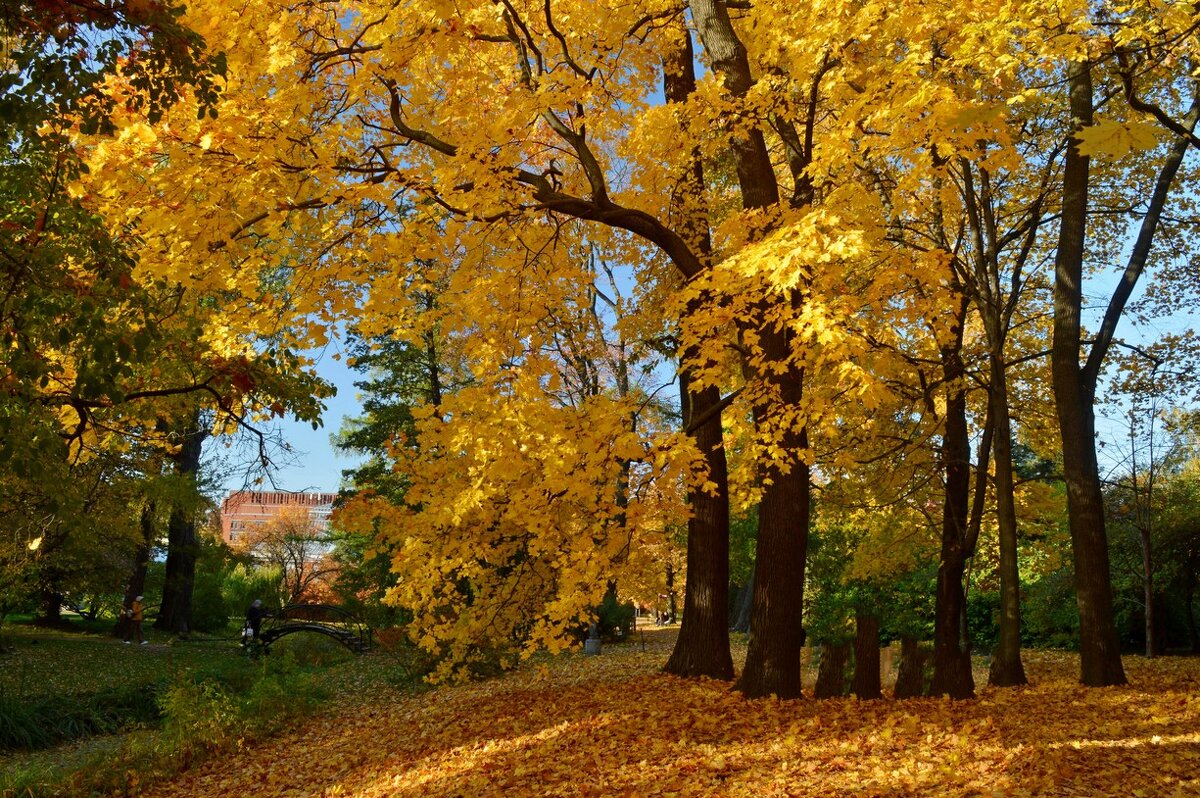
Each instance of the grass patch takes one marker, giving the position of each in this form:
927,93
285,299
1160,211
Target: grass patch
30,725
312,650
173,705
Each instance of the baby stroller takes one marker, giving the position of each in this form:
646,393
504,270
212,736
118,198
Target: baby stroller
251,646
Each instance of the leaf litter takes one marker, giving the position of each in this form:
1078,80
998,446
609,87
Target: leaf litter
614,725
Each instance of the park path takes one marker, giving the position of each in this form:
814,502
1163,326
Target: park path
614,726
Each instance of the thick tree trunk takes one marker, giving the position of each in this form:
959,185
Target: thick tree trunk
910,679
773,658
866,656
51,608
831,673
951,653
702,648
175,611
1075,388
776,631
1100,655
776,625
1006,670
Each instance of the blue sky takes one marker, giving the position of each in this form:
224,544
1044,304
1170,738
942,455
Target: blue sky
319,466
312,464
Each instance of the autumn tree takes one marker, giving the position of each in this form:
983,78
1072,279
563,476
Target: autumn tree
102,360
298,547
513,135
1077,366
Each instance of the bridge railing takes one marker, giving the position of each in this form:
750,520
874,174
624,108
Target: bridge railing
325,616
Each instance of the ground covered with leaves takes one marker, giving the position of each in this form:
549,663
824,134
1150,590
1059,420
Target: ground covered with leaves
614,726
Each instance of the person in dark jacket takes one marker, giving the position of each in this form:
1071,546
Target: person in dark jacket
254,616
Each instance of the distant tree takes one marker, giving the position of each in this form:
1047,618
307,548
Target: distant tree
295,545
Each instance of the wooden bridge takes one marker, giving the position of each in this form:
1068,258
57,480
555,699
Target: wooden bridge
327,619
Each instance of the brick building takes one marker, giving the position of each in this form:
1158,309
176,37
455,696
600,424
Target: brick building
245,509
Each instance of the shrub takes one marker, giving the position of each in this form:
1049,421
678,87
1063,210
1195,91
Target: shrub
311,650
615,618
983,620
200,716
244,584
210,613
30,725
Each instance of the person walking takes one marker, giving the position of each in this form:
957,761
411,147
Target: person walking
134,614
254,616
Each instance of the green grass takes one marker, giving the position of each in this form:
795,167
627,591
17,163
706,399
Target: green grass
51,662
121,716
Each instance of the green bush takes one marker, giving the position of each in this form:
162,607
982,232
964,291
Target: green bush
200,716
30,725
311,650
615,617
1049,613
208,712
244,584
209,610
983,620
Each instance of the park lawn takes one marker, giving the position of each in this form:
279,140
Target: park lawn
46,662
40,668
613,725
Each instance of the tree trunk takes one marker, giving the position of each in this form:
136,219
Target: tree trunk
773,658
910,680
702,648
141,562
1006,669
996,309
776,623
1100,654
831,673
175,612
951,654
745,601
866,656
51,608
1075,388
1148,589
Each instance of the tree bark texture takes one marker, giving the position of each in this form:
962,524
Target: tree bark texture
773,657
1100,655
702,648
866,683
1006,669
175,611
831,673
776,623
951,654
910,679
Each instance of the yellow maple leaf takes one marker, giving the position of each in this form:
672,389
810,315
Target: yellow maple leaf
1112,138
